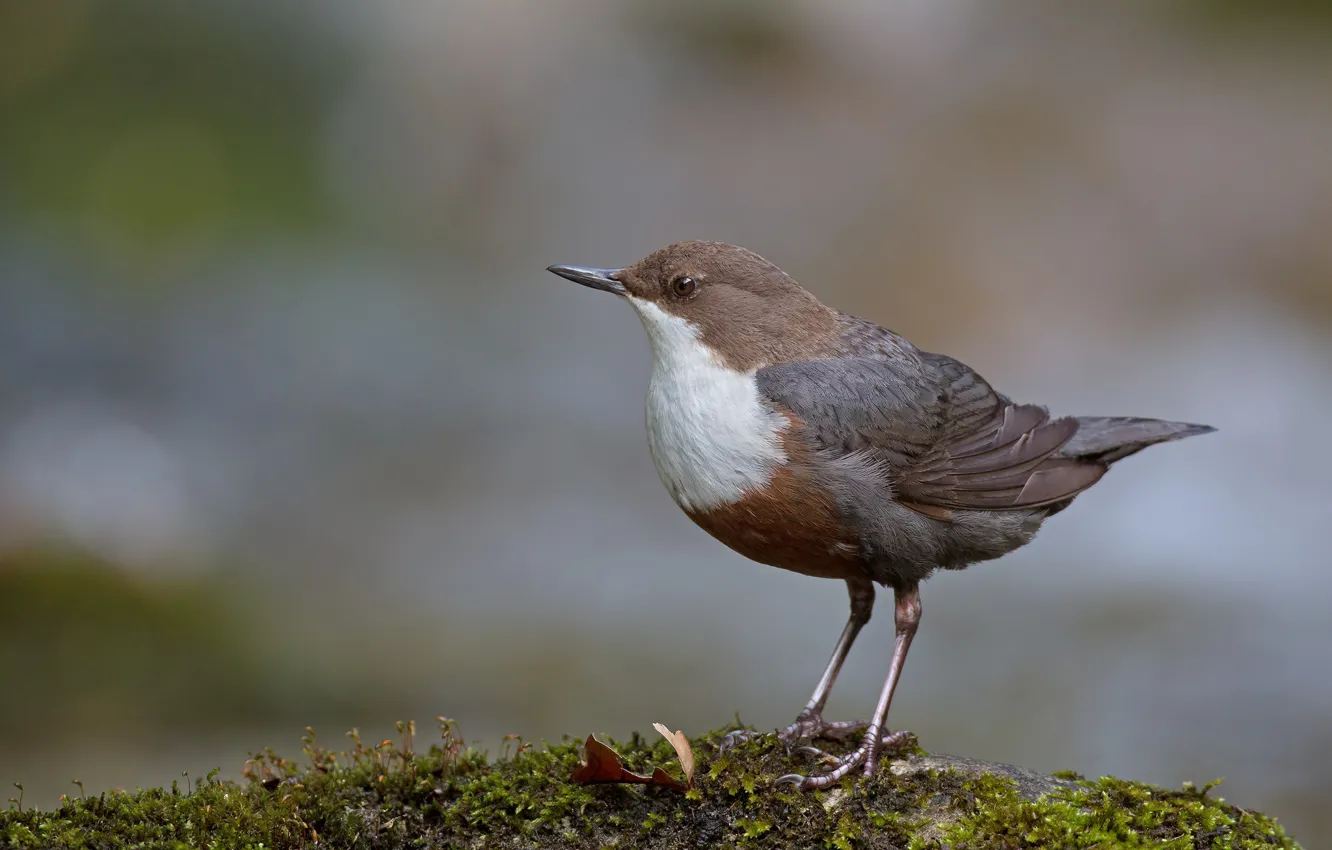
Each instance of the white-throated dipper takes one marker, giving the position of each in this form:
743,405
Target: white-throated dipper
814,441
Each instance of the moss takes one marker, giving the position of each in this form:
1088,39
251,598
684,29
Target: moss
388,795
1107,812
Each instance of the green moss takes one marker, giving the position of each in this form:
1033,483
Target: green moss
751,829
390,796
1106,813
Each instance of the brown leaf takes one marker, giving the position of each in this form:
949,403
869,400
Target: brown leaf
682,750
604,765
661,777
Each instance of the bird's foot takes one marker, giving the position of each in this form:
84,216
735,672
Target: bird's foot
866,756
808,725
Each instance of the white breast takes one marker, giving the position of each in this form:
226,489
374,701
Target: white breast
711,436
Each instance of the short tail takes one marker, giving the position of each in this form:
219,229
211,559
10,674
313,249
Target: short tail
1111,438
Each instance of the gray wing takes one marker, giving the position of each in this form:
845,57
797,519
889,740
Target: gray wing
943,437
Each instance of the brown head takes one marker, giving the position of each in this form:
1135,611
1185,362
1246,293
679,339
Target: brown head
746,310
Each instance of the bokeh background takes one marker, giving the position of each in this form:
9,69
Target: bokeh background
295,429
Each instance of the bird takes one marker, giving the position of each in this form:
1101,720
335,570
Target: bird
814,441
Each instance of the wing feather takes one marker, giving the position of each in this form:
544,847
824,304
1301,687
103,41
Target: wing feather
946,439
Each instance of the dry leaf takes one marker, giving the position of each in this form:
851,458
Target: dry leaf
682,749
603,765
661,777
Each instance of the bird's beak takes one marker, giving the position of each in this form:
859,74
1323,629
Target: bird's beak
602,279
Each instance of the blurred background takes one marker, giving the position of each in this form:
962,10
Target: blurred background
295,429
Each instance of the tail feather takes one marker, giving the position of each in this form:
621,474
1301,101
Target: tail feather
1110,438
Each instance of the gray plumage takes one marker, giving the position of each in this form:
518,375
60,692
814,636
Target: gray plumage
930,465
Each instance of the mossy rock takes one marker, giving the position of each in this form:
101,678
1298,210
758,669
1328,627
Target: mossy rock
388,796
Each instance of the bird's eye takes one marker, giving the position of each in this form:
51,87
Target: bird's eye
684,286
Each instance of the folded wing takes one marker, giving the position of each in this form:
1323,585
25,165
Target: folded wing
943,437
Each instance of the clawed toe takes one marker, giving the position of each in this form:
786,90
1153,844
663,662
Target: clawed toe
808,726
811,725
739,736
845,765
840,730
842,766
795,780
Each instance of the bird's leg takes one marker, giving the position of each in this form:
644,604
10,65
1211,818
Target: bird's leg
809,723
907,618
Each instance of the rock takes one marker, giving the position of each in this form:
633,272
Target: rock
450,796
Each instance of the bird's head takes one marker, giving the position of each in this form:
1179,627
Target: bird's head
746,310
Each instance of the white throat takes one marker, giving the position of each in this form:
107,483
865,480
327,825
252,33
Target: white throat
711,436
